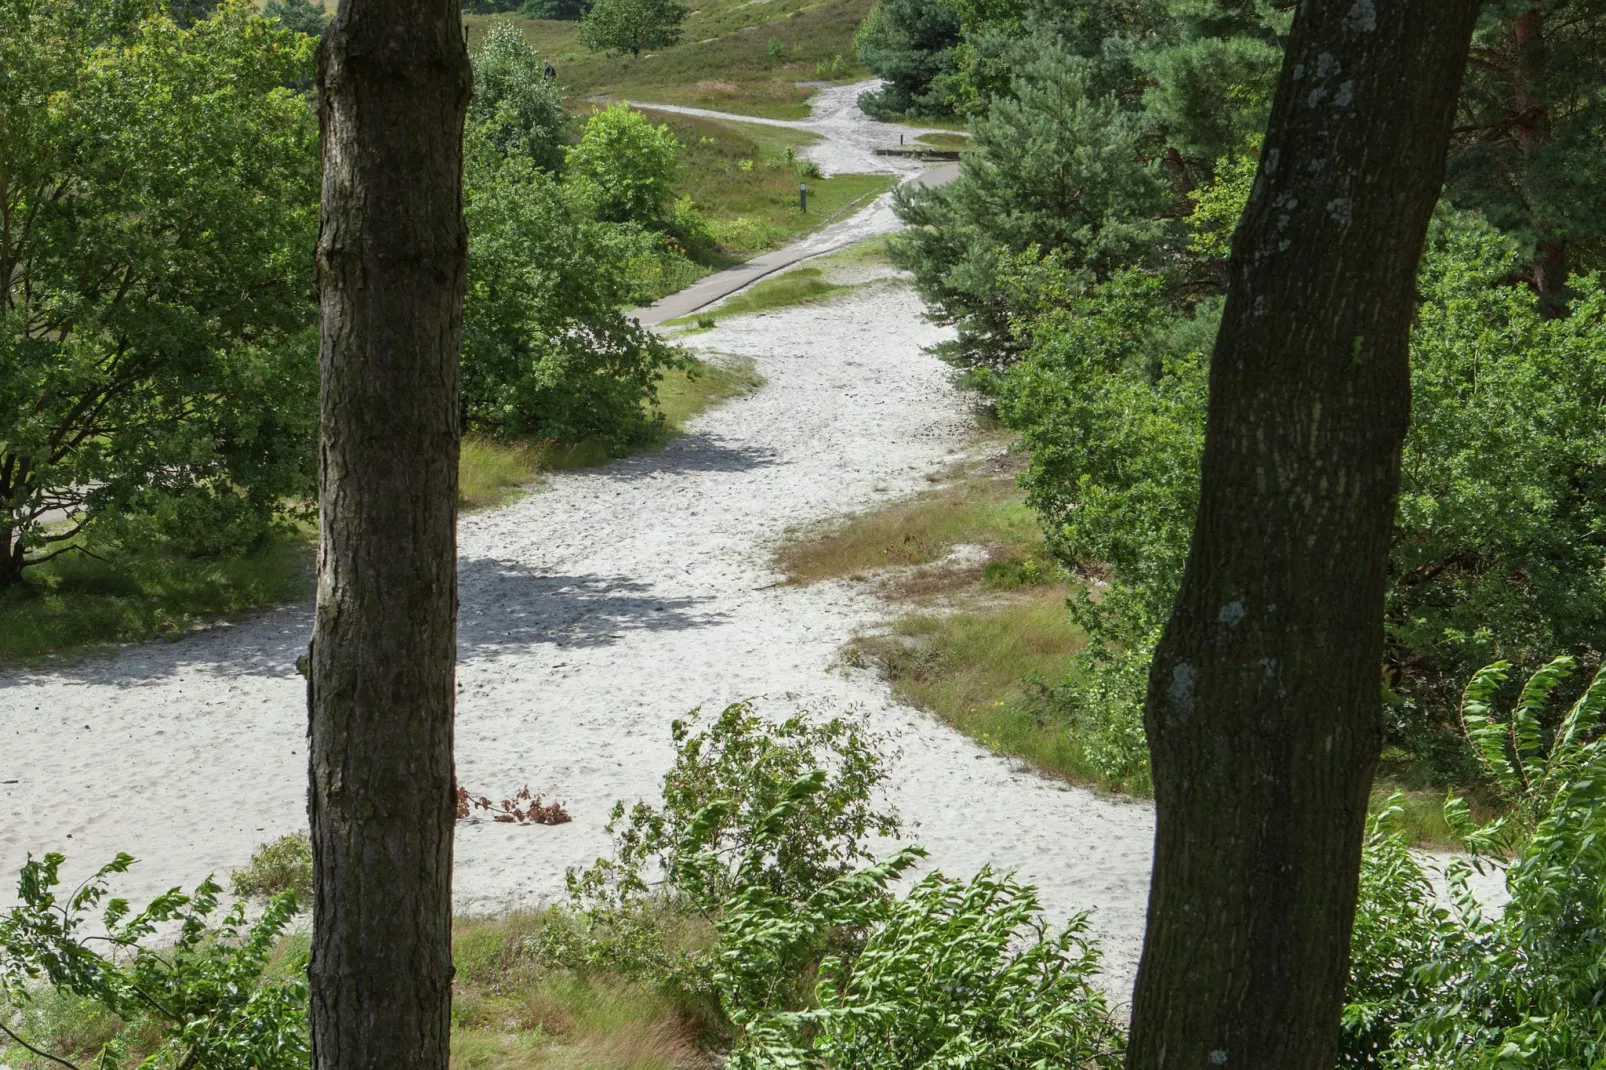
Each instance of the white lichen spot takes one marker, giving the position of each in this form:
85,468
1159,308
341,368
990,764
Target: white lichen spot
1269,667
1282,246
1341,208
1363,17
1326,65
1316,96
1345,95
1181,690
1218,1058
1273,158
1299,71
1231,613
1260,305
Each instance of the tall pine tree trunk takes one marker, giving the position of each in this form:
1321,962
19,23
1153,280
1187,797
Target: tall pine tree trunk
1264,703
392,253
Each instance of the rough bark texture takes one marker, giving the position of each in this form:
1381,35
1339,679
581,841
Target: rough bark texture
1264,704
394,80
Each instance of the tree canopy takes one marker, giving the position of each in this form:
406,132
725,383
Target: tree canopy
155,320
631,25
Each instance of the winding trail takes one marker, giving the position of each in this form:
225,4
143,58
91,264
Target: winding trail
593,612
847,138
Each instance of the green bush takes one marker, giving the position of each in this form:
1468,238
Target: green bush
726,779
815,960
1453,987
547,350
284,865
623,165
519,107
205,1000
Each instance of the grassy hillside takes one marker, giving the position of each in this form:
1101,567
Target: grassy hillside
746,56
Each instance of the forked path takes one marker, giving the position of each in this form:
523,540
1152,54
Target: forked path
593,613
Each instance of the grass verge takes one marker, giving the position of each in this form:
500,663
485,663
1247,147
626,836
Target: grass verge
982,630
983,627
508,1013
125,595
746,189
801,286
492,472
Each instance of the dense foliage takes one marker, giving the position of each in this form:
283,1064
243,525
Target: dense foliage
764,832
156,342
623,165
1500,544
302,16
515,104
1452,986
1081,254
909,44
205,1000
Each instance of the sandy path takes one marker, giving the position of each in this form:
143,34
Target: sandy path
593,612
848,137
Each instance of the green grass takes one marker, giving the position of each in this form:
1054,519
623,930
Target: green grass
508,1012
946,140
982,506
801,286
125,596
976,636
738,177
724,61
493,472
974,669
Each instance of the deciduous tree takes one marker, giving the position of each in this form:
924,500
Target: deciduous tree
631,25
157,206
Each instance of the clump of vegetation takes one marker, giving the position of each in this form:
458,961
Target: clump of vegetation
1449,984
283,865
211,998
764,832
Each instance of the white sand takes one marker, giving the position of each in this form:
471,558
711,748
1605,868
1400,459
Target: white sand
593,612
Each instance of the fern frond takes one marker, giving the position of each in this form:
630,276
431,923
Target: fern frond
1487,736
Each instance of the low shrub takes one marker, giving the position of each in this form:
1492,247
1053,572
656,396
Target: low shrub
206,1000
1452,986
280,866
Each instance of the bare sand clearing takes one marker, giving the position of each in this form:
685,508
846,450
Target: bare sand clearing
593,613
